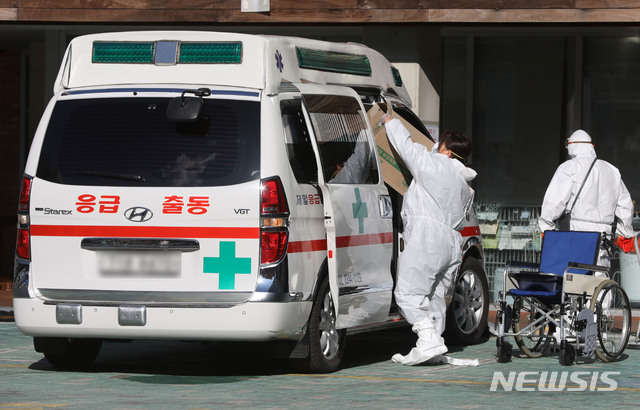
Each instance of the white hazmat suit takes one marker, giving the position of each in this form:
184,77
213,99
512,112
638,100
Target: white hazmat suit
603,199
434,208
356,167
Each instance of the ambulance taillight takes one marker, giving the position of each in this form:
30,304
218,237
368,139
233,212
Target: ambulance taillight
274,217
23,250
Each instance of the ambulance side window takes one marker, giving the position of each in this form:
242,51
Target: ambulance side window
343,138
299,148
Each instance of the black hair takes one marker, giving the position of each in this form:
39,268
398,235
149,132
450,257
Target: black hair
458,143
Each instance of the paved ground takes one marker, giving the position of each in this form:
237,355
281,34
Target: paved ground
6,312
187,375
181,375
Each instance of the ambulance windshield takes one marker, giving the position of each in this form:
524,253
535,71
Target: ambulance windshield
130,142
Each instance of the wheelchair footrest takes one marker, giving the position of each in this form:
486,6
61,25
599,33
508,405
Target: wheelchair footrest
587,329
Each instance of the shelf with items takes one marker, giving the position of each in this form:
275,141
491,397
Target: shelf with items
509,227
488,215
509,233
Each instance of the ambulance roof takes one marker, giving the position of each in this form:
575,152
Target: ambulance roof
202,58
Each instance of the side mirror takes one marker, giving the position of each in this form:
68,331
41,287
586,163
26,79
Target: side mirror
187,109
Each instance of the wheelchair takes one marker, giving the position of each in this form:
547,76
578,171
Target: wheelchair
566,300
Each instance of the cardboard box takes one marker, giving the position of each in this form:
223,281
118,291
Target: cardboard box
394,170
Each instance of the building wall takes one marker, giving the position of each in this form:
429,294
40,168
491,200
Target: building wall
406,31
9,155
322,11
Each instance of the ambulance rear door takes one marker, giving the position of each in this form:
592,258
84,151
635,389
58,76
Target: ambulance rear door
358,215
131,208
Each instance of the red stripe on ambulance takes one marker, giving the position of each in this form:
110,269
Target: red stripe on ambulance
307,246
146,231
342,242
360,240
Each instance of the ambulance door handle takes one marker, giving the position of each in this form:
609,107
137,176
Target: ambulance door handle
116,244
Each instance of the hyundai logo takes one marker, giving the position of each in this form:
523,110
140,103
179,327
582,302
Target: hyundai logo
138,214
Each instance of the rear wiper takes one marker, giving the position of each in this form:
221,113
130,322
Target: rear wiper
136,178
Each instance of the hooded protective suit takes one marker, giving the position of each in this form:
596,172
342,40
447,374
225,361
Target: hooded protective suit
603,199
434,208
356,167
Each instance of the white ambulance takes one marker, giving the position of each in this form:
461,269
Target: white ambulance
216,186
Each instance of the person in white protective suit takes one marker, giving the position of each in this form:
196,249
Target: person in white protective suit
356,168
434,208
604,199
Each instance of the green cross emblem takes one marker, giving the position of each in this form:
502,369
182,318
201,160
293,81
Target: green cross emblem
227,266
359,210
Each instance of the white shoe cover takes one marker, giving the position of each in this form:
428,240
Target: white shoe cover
417,355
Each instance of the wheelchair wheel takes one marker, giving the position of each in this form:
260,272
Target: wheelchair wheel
613,316
567,354
536,343
504,351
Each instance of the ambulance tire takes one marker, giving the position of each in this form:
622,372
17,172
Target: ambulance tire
469,307
326,343
68,352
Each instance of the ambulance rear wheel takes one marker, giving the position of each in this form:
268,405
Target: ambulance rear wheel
68,352
326,343
467,313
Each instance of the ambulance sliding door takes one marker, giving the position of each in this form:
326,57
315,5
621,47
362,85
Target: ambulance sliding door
357,208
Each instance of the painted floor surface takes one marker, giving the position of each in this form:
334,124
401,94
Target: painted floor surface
188,375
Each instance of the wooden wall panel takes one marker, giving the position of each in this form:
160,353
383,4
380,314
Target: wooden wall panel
398,4
333,16
535,16
470,4
467,4
323,11
183,4
607,4
508,4
121,16
310,4
8,14
122,4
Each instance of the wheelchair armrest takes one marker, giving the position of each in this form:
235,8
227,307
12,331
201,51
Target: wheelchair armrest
545,274
521,265
586,267
537,274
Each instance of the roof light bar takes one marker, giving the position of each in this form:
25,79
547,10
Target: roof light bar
123,52
207,53
332,61
167,52
397,78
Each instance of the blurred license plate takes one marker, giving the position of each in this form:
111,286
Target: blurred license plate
136,264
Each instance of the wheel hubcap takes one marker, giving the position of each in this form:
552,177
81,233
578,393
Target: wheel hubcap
329,339
468,301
